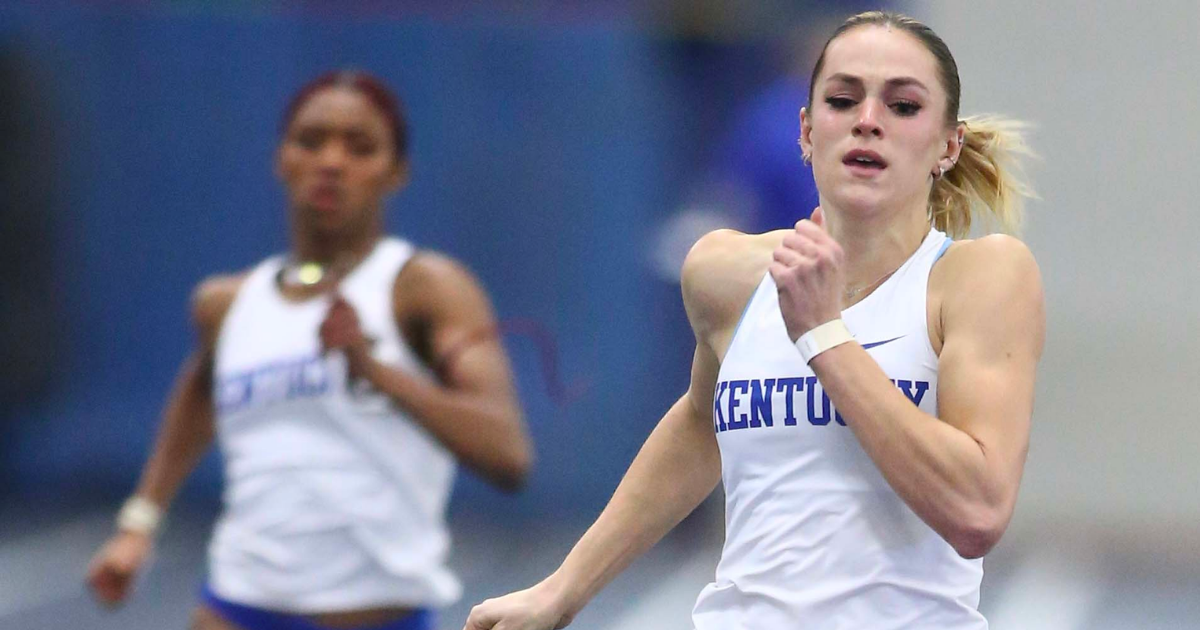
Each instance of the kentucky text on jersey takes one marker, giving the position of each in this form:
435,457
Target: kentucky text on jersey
301,377
752,404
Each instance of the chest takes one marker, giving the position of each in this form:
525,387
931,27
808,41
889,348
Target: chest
269,351
765,391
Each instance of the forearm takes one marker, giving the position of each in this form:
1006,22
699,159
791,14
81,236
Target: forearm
677,467
941,472
485,432
184,436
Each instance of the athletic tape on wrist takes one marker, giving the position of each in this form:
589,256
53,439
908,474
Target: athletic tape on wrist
139,515
828,335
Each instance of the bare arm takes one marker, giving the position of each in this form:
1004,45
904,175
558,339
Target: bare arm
473,410
677,467
960,471
184,435
186,431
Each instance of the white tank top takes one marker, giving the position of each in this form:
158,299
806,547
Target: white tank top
334,498
814,535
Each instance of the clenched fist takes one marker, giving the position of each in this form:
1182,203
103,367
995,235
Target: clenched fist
341,330
117,564
808,270
535,608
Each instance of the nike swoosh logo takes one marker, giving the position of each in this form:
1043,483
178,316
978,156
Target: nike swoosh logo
868,346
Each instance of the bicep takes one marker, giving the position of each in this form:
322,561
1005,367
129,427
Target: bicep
464,336
210,302
986,370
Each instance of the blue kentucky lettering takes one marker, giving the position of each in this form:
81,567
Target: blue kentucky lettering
907,388
746,403
280,381
818,419
719,423
737,419
761,407
789,386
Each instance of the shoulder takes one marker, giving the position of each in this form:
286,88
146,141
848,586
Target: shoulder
988,284
721,273
433,271
211,300
432,282
1004,261
429,268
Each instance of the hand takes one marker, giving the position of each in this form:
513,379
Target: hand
113,569
809,275
535,608
341,331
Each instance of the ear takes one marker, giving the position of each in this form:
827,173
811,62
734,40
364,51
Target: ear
806,133
954,146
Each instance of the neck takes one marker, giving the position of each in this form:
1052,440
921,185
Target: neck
349,245
875,242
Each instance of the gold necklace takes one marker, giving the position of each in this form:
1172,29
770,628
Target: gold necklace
306,274
849,294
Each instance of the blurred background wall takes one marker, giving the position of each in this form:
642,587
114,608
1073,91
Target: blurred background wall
1112,92
549,147
1108,524
569,153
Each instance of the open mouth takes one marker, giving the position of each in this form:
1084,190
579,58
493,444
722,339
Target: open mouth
861,158
326,196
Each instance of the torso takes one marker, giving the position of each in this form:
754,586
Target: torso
334,498
812,528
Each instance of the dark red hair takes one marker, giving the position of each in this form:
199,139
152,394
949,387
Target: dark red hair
367,85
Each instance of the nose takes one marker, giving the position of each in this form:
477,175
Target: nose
332,156
868,119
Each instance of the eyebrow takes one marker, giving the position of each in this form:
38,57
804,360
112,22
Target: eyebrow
323,127
896,82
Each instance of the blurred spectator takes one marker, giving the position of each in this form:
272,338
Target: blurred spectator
751,177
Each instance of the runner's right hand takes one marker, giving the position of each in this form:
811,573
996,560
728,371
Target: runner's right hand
113,569
535,608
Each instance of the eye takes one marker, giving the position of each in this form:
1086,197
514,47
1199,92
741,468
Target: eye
363,149
361,144
906,108
310,139
839,102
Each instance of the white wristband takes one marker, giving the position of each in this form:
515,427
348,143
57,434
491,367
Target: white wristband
139,515
828,335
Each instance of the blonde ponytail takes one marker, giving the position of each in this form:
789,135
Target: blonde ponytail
986,181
